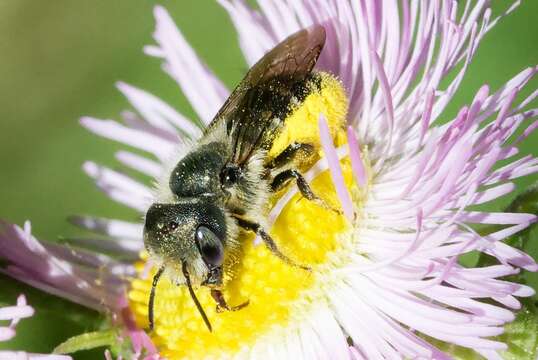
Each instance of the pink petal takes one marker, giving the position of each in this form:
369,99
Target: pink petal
158,113
334,166
355,156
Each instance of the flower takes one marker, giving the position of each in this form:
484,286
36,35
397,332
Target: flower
14,314
385,274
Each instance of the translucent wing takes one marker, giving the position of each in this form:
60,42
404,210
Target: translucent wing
257,107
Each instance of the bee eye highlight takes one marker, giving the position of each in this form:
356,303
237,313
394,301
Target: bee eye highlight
209,245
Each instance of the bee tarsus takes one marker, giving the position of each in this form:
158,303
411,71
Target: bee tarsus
222,305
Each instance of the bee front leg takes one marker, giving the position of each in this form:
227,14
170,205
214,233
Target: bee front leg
268,241
222,305
214,282
285,176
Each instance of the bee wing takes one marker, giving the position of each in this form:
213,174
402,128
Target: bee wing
257,107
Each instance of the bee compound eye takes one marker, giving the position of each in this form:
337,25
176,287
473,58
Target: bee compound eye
209,245
229,175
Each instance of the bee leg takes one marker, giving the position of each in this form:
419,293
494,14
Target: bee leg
217,295
285,176
268,241
286,156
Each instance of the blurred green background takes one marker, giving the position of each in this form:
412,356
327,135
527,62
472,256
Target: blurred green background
59,60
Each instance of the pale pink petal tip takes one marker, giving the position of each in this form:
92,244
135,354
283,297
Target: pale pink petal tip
6,333
387,95
529,130
157,113
426,115
202,88
334,167
356,160
14,314
23,355
77,275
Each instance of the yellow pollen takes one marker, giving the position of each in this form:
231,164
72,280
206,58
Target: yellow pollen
302,124
304,231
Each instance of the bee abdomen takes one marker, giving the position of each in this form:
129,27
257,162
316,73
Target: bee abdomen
324,94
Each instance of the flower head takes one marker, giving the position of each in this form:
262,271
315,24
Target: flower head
385,276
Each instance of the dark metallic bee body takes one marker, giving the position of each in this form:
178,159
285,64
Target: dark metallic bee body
224,183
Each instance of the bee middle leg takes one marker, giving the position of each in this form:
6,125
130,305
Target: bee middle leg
268,241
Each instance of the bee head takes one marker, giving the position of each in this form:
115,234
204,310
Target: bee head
189,235
191,232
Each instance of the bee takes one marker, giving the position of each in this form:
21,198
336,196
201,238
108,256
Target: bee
223,185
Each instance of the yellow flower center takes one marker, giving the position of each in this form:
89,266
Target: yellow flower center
278,292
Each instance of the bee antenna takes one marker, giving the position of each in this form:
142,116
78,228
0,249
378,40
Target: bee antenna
156,278
193,296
